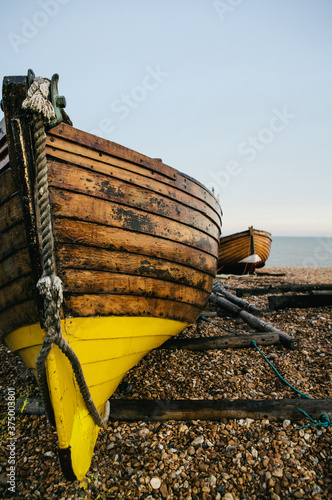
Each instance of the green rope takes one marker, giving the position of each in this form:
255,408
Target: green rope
222,328
304,396
325,421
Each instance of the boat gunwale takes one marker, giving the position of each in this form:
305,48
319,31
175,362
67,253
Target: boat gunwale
244,234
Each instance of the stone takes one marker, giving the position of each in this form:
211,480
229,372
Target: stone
163,490
143,432
212,480
277,472
198,441
155,483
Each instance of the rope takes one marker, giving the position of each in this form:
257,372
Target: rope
37,98
325,421
304,396
221,327
50,285
325,418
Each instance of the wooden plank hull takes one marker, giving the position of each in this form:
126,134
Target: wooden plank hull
135,246
242,253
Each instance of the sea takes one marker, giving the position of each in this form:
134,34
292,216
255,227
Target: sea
300,251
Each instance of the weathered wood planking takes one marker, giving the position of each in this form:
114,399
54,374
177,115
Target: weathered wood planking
125,305
80,257
16,291
14,266
118,239
101,186
12,240
86,208
7,185
2,129
98,200
10,213
92,282
17,304
24,313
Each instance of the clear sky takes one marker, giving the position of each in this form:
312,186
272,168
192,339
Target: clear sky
236,93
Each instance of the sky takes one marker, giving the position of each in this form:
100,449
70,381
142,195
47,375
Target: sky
235,93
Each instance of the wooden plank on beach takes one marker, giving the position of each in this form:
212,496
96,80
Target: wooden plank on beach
225,342
320,299
244,292
204,409
272,409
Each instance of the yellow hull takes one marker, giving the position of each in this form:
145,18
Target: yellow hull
107,348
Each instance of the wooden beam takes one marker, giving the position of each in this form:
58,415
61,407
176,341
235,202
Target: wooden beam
257,323
159,409
244,292
225,342
215,410
218,287
318,299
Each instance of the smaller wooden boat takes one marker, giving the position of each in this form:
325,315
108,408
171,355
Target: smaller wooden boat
242,253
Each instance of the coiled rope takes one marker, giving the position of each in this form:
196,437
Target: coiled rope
50,285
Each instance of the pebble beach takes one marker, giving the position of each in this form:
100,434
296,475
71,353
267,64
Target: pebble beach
229,459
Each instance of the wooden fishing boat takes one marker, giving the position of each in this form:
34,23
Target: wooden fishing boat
242,253
133,241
